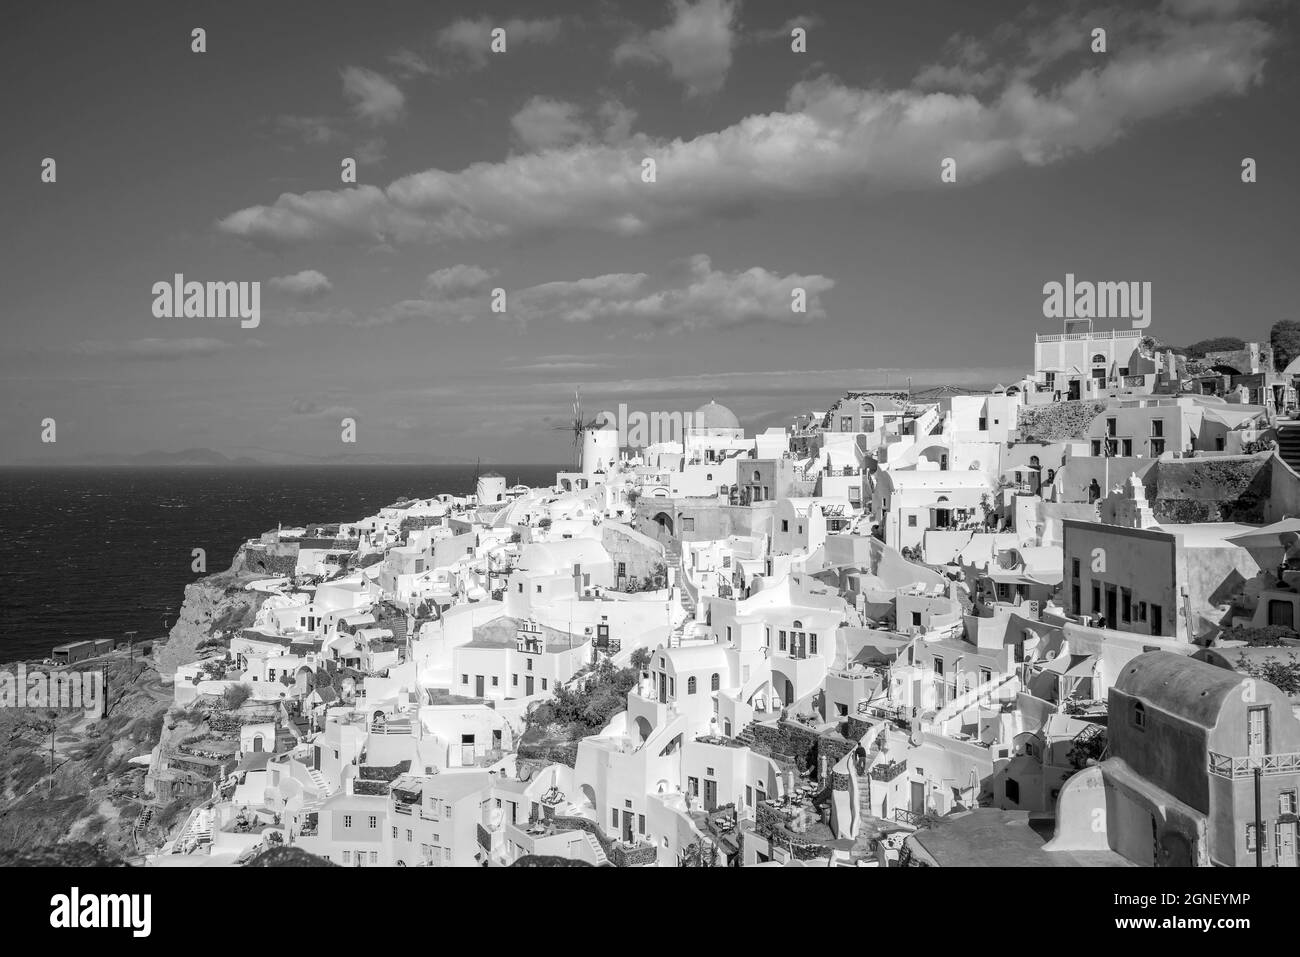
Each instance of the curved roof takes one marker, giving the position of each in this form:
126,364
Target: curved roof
1182,686
714,416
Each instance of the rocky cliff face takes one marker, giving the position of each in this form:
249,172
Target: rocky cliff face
216,604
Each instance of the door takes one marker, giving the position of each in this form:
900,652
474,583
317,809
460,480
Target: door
663,688
1111,620
710,794
528,685
1157,620
627,826
466,750
918,797
1281,612
1257,732
478,686
1074,389
1286,856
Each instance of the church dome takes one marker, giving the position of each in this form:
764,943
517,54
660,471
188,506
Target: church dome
714,416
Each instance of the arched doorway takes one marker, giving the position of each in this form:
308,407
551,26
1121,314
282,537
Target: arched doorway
644,728
665,523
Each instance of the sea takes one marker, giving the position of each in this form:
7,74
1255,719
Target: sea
97,552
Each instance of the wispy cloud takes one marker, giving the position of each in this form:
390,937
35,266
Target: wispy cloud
158,348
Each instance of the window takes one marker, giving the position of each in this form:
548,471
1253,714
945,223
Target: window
1127,445
1096,598
911,521
347,820
785,525
495,681
781,643
812,644
1250,838
374,857
690,685
1096,447
640,823
464,679
347,857
409,836
394,834
543,684
715,682
1157,428
688,524
1139,715
514,681
613,814
1286,802
1074,568
1110,428
528,664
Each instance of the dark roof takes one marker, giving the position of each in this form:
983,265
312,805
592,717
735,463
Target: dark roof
1179,685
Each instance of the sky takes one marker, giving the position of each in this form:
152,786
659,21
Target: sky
522,171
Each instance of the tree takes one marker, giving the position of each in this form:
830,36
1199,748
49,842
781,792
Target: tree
234,696
1197,350
700,854
1284,337
640,659
1283,675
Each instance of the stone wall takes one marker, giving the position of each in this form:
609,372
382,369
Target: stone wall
1217,489
1057,422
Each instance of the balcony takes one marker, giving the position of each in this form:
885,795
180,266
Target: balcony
1227,766
888,771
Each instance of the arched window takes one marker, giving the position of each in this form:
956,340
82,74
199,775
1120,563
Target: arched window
1099,359
1139,715
690,685
714,683
798,624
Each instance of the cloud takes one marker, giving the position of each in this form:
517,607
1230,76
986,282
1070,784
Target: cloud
374,98
830,139
156,348
704,298
544,123
308,284
313,130
806,21
470,40
695,46
456,282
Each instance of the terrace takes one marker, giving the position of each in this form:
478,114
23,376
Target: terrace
1228,766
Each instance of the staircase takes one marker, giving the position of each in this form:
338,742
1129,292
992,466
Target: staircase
1288,444
319,783
602,859
746,736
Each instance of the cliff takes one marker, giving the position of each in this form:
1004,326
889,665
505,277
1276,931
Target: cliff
218,603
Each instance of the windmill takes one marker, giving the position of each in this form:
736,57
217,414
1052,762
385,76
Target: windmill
577,427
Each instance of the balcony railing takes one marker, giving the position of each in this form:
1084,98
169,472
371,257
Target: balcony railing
1227,766
887,772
